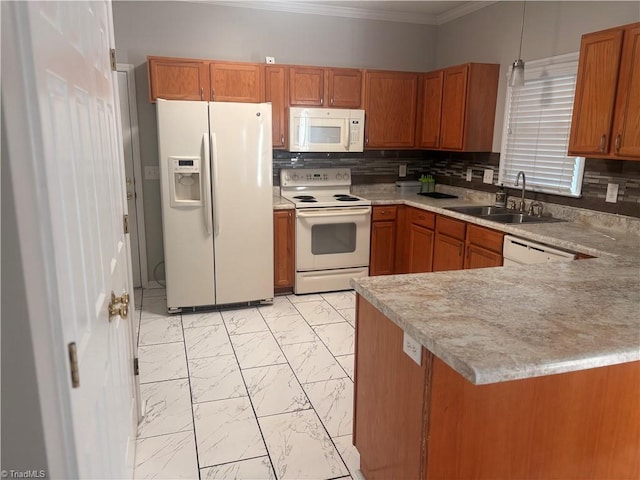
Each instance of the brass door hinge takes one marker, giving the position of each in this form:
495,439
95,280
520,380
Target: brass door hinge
73,363
136,367
112,56
125,223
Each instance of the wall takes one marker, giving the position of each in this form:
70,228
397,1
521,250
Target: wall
201,30
492,34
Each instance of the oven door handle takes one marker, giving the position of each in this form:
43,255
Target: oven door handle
334,213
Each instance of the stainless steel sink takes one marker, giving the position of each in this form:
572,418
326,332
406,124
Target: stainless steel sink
502,215
480,210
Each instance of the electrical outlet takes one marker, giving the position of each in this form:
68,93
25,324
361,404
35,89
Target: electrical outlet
412,348
152,173
270,60
469,174
402,171
488,176
612,193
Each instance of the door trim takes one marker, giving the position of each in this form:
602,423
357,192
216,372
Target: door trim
137,170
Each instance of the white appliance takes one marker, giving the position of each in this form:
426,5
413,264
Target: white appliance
326,130
517,251
216,190
332,228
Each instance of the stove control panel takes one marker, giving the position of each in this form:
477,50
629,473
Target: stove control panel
306,177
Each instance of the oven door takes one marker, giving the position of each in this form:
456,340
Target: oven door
328,238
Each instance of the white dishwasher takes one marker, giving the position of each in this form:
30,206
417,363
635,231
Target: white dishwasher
517,251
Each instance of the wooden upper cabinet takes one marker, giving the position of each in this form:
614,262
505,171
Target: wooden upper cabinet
306,86
178,79
344,87
275,86
605,121
390,105
236,82
325,87
431,91
458,107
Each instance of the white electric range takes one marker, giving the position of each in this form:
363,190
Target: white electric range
332,228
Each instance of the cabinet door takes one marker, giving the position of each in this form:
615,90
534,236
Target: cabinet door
431,90
383,247
447,253
177,79
236,82
478,257
595,92
454,98
390,103
626,128
344,87
306,86
275,81
283,248
420,249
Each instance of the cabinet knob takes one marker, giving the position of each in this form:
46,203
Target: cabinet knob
618,141
603,141
282,139
321,101
201,93
331,100
213,94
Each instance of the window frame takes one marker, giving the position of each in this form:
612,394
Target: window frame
537,69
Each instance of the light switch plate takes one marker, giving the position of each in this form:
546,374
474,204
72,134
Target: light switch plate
612,193
488,176
402,171
412,348
152,173
469,174
270,60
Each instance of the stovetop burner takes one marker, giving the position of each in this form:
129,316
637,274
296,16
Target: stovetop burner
338,195
308,200
347,199
304,197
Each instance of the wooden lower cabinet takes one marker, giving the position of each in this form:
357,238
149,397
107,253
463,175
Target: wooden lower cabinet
478,257
483,247
428,422
420,249
383,246
448,247
283,250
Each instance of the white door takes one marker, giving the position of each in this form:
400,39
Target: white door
73,122
126,86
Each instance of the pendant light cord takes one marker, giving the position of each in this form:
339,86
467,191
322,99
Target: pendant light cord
524,6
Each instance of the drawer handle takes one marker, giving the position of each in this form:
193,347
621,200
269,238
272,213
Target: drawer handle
201,93
603,141
618,141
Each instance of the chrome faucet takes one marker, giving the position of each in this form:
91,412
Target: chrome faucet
524,183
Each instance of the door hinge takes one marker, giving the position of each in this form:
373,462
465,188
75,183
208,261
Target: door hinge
136,367
125,223
112,56
73,363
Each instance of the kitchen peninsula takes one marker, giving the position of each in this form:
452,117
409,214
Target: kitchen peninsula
524,371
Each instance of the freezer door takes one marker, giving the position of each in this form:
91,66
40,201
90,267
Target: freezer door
242,200
183,137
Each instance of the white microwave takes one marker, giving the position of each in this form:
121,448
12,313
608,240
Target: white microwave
326,130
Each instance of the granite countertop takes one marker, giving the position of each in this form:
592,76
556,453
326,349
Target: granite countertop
280,203
506,323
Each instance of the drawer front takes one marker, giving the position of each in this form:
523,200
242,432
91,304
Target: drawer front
450,227
386,212
484,237
422,218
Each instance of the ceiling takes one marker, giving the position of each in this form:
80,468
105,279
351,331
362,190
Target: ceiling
421,12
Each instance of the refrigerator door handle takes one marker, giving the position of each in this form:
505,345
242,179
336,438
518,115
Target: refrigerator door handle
206,184
214,161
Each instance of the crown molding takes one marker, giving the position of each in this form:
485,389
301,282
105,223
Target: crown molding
318,8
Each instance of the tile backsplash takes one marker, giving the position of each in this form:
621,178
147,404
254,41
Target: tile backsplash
382,166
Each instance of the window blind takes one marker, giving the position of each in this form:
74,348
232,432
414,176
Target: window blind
537,127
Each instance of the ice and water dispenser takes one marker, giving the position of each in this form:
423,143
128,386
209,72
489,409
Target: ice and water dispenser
184,181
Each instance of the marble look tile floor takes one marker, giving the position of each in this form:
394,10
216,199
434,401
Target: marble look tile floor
252,393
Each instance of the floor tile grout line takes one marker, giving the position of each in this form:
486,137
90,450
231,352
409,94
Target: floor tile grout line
233,461
316,413
255,416
165,380
193,414
291,411
163,435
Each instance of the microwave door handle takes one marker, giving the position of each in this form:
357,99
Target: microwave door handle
346,147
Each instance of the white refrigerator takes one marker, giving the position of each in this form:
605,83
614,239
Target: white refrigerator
216,190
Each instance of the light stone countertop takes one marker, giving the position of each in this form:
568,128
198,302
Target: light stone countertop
279,203
506,323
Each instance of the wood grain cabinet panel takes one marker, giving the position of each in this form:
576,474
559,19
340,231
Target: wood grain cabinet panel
178,79
236,82
325,87
276,92
344,87
449,244
431,90
383,240
306,86
420,249
283,249
390,105
454,98
605,121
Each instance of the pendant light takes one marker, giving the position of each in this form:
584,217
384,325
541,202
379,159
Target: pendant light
517,69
